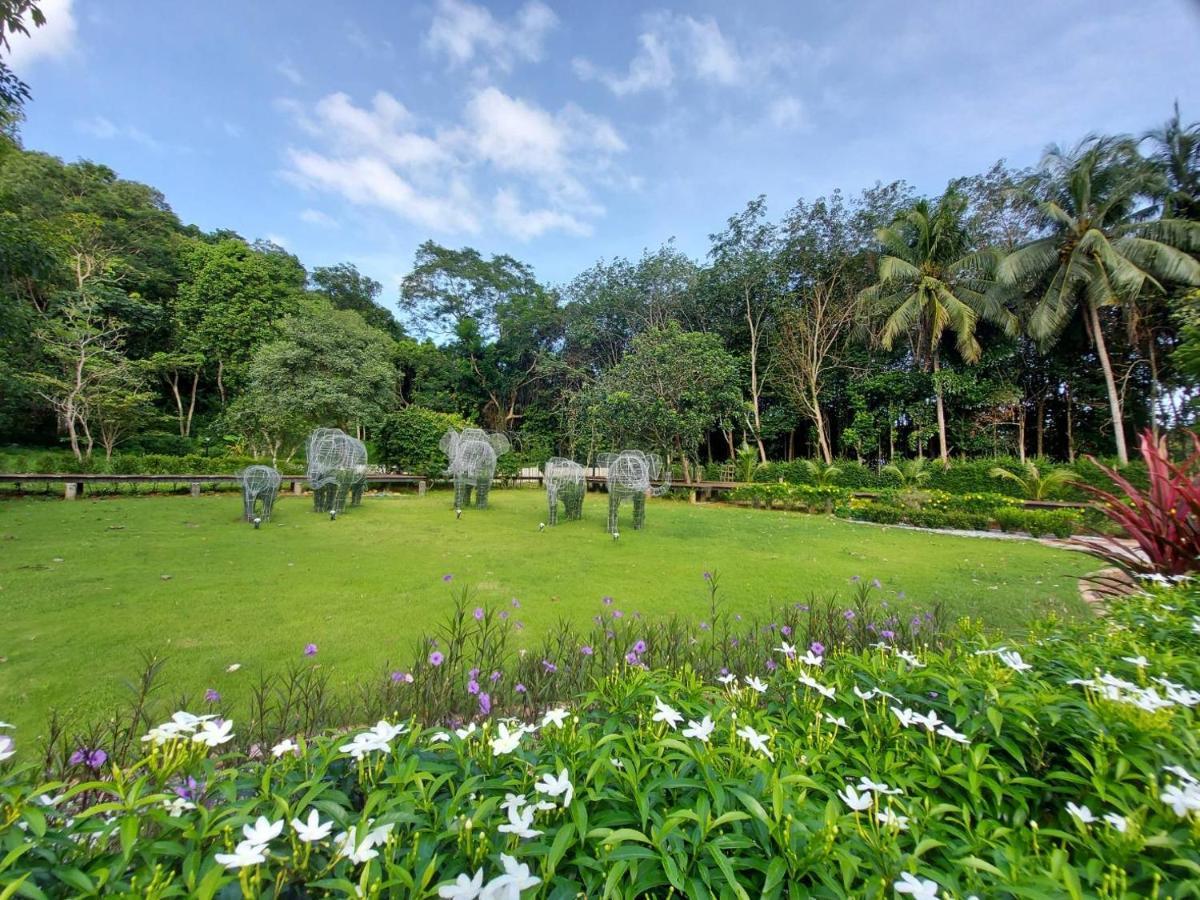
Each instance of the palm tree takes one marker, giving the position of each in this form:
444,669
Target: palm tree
1100,250
931,280
822,475
1177,155
910,474
1034,484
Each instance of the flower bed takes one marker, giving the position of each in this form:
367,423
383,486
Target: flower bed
1065,765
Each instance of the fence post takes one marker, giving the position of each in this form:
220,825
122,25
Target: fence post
195,486
297,489
421,488
73,490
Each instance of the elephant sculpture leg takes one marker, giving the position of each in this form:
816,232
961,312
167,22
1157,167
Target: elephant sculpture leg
462,491
614,507
248,505
268,503
482,486
552,501
572,497
356,492
639,510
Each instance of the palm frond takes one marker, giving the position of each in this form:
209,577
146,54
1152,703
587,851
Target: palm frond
1029,263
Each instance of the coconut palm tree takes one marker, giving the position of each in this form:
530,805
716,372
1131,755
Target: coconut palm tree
910,473
1034,483
931,280
822,475
1176,152
1101,248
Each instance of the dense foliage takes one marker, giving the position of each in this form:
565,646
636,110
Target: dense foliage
1065,765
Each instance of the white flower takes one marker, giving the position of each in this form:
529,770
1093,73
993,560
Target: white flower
505,741
920,888
380,834
464,733
1012,659
513,802
178,806
7,725
616,763
1182,773
906,716
666,714
365,742
1082,813
866,695
7,747
809,681
854,799
910,659
788,650
836,720
754,682
555,717
386,732
233,668
930,720
441,737
520,823
213,734
1155,577
508,886
1117,821
727,678
347,844
285,746
889,818
948,732
701,730
464,888
555,787
263,831
811,659
1140,661
246,854
757,741
877,787
312,830
1183,799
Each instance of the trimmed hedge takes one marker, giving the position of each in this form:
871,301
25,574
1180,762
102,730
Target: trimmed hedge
408,440
51,462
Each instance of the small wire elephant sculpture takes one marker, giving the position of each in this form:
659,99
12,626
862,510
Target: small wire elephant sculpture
337,469
565,481
472,463
260,487
632,474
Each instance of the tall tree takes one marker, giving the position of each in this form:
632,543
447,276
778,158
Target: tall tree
347,288
1100,251
1176,153
932,280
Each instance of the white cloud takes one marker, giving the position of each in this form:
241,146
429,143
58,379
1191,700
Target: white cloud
53,41
461,30
106,130
650,70
713,57
290,72
439,176
278,240
316,217
786,113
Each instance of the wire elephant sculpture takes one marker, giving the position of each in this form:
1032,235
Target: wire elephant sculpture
337,469
260,487
472,455
565,481
632,474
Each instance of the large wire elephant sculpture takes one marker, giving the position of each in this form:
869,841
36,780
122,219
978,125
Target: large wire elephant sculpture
632,474
472,456
565,481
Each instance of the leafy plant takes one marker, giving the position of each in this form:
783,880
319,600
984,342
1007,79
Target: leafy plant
747,461
909,473
1164,520
821,474
1033,483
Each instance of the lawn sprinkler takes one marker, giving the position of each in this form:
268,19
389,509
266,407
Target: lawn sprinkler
615,535
257,522
333,515
541,526
458,514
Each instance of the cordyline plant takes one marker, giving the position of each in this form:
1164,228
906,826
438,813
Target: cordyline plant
1164,520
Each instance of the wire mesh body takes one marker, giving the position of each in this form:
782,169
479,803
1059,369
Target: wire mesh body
337,468
260,487
631,476
565,481
472,457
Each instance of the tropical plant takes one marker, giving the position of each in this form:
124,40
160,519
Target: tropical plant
931,280
746,464
1164,520
1035,484
909,473
1177,155
1100,251
821,475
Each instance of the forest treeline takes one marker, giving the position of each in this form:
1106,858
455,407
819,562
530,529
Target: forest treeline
1048,312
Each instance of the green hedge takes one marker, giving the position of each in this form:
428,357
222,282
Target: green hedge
50,462
408,440
1038,522
791,496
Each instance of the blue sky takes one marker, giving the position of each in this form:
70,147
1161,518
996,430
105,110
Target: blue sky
565,132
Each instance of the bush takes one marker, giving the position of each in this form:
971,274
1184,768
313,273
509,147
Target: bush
1061,523
408,440
1053,767
792,496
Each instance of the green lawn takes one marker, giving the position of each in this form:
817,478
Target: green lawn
86,586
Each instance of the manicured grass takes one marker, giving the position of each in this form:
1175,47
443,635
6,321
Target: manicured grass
85,587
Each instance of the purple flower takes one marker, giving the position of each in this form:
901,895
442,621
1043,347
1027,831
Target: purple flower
472,687
733,642
871,627
704,626
737,617
479,614
639,647
771,665
94,759
586,650
310,650
616,614
550,667
610,634
474,673
212,696
518,625
933,695
876,583
803,607
887,635
856,578
899,595
631,657
817,648
436,659
848,615
520,688
786,630
485,703
447,577
398,677
190,789
516,603
708,576
607,601
504,614
916,622
724,671
494,677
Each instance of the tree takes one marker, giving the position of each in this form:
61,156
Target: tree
1034,483
744,267
664,394
327,367
347,288
1176,153
931,280
1100,250
15,17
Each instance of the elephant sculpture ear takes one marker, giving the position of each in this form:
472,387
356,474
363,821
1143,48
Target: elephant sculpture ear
448,442
605,460
658,471
499,442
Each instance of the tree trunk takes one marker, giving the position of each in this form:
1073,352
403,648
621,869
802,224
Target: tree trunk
187,430
1154,387
819,422
1110,382
1041,426
1021,433
1070,430
221,380
941,411
755,389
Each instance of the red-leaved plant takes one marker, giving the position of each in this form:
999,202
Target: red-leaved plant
1163,520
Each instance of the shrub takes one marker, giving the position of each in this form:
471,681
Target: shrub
408,440
813,498
1054,767
1061,523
